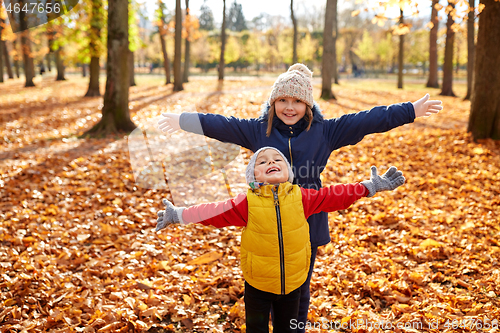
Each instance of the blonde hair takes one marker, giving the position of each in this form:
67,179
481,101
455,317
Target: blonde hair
272,112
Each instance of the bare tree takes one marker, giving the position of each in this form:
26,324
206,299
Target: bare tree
115,112
328,51
447,89
178,45
470,48
484,119
294,22
222,62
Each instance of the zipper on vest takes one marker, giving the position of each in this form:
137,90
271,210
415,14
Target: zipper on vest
280,240
290,150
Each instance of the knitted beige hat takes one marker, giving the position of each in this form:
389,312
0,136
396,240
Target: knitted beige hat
296,82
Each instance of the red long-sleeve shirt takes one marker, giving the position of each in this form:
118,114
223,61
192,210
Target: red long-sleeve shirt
234,212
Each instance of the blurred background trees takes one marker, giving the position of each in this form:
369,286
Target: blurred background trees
366,41
432,41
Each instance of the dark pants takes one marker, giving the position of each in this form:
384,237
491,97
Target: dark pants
258,307
305,293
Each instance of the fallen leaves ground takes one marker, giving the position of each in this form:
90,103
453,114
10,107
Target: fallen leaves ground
79,252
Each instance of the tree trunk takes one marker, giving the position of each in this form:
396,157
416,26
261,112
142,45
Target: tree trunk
1,57
185,75
29,67
2,46
166,61
222,62
448,56
484,119
93,89
401,54
131,68
162,33
49,64
84,70
335,32
59,65
7,60
328,52
470,48
115,112
96,23
50,42
294,22
178,46
432,82
16,58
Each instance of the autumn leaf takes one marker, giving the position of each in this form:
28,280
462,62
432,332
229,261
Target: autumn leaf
430,243
206,258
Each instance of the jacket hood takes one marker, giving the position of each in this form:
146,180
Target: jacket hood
317,114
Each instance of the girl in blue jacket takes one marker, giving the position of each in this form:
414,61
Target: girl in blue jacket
292,122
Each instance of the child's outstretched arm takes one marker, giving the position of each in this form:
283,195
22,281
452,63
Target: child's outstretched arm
171,215
169,123
342,196
389,181
226,129
351,128
232,212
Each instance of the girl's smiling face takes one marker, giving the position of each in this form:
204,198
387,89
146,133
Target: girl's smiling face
270,167
290,110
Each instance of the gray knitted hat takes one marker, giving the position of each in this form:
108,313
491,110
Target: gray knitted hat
250,174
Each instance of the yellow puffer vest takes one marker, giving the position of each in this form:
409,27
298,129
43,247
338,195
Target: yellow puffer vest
275,246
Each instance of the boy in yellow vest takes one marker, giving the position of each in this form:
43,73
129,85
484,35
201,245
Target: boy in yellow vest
275,247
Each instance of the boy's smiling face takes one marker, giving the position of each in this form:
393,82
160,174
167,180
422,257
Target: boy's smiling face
270,167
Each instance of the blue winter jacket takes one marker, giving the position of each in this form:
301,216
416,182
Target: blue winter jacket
307,151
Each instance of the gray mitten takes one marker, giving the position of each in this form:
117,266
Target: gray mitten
170,215
387,182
